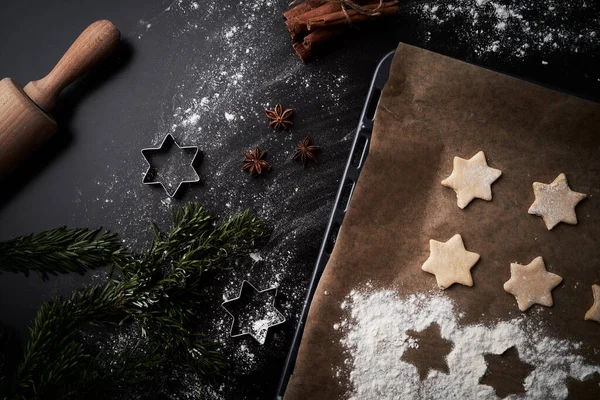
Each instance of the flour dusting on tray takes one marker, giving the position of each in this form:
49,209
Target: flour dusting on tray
375,338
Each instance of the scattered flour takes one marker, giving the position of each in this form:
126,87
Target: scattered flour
260,327
255,319
191,120
253,74
515,29
229,70
246,355
256,257
218,93
375,336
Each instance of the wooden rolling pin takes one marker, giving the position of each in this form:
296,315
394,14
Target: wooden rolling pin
24,119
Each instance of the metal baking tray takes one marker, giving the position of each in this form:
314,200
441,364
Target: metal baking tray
358,155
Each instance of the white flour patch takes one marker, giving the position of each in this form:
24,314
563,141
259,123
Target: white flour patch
375,336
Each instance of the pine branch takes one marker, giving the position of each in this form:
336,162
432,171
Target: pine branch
195,248
52,355
167,281
60,251
9,358
112,373
159,291
193,351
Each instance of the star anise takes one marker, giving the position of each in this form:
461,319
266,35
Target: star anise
253,162
279,117
305,151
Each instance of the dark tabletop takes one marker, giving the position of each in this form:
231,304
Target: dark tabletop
205,72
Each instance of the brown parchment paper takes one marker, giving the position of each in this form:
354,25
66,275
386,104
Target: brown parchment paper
432,109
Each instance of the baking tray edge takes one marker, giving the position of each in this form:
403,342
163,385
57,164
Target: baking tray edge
356,160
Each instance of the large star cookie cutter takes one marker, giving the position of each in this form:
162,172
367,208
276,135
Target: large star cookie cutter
155,176
255,322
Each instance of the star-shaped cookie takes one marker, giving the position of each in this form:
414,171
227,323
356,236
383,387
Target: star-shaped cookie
593,313
472,179
531,284
450,262
555,202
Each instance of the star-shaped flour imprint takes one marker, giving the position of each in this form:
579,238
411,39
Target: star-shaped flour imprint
583,389
532,284
472,179
253,312
506,372
593,313
450,262
428,350
555,202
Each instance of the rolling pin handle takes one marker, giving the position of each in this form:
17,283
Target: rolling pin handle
95,43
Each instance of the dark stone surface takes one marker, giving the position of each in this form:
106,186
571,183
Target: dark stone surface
90,173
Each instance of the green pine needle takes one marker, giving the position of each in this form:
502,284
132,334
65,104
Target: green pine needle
59,251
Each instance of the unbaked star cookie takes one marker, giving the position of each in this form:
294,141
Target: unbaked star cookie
532,284
450,262
555,202
472,179
593,313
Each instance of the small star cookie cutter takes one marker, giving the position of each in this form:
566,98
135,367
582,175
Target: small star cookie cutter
262,327
151,172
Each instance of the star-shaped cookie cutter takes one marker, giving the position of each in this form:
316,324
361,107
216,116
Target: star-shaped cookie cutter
280,320
149,176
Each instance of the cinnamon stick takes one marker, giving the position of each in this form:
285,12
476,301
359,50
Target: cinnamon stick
302,8
315,39
297,25
308,47
302,52
339,17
